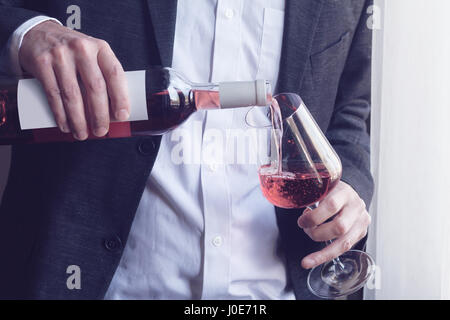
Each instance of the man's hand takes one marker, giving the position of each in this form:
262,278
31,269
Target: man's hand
59,58
346,229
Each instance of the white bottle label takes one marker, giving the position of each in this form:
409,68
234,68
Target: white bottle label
35,113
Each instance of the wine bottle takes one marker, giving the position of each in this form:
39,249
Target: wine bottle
161,99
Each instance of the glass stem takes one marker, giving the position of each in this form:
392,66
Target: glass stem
338,265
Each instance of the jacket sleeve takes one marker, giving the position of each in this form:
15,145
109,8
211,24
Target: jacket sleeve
13,14
347,131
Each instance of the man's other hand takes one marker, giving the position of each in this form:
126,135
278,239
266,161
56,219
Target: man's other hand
348,226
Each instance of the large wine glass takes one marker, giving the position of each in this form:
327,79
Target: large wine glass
298,168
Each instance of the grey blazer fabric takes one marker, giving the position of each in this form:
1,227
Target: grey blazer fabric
73,203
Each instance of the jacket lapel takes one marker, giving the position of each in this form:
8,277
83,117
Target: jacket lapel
301,19
163,15
300,23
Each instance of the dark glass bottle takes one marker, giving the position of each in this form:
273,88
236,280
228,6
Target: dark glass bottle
170,100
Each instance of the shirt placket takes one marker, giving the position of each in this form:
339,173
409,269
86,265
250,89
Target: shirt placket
215,186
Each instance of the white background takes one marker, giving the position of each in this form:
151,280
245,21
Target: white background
411,150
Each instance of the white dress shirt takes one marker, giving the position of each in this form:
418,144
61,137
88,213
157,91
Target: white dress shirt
203,229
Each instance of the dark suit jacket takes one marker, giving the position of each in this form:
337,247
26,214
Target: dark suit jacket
73,203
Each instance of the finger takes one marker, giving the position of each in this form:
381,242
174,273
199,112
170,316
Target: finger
71,96
365,221
95,94
335,249
45,74
327,208
340,225
116,82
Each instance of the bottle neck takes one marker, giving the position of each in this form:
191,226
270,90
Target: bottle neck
206,96
237,94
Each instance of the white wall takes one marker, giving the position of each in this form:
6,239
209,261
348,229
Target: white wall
411,131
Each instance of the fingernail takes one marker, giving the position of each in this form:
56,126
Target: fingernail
100,131
64,128
308,263
122,115
301,219
80,136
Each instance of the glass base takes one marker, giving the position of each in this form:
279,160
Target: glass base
329,281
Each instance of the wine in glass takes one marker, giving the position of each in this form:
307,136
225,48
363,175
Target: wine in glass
298,169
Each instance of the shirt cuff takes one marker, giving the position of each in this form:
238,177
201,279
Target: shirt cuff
15,42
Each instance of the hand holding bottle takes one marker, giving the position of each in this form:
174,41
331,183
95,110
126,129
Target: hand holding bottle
56,55
81,87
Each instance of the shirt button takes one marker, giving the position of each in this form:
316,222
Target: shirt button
213,167
229,13
146,147
113,244
217,241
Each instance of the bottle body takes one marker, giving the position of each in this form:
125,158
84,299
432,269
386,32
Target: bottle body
168,100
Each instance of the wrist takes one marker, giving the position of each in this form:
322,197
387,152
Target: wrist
16,40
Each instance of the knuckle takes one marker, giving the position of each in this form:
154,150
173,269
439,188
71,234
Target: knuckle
319,258
96,85
69,93
115,70
58,53
53,93
102,44
341,227
346,245
80,45
43,59
332,205
326,256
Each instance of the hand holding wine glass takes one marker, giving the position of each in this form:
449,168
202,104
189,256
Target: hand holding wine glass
300,169
348,226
